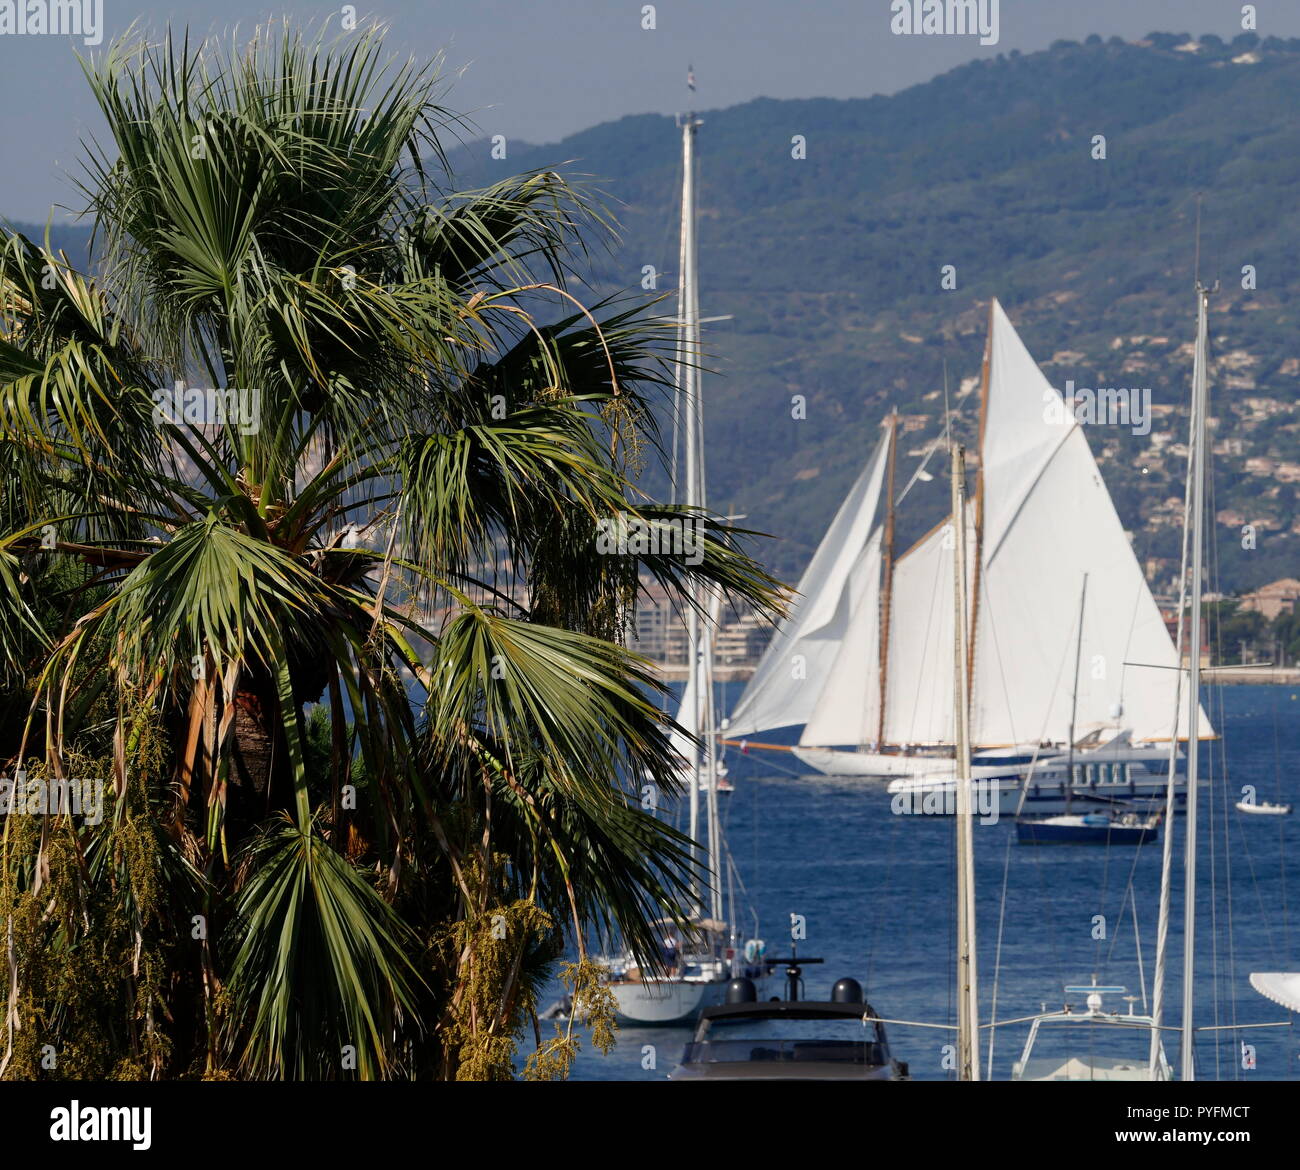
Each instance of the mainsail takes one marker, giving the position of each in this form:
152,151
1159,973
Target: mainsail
919,705
1048,520
791,676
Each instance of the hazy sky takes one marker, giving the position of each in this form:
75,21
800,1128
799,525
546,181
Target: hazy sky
541,69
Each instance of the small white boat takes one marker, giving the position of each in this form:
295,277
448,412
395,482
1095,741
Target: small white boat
688,982
1093,1044
678,999
1264,808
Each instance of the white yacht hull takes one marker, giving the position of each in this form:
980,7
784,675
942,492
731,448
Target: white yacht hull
875,765
1264,810
663,1002
888,765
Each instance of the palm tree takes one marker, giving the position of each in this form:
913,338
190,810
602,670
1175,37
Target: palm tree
339,634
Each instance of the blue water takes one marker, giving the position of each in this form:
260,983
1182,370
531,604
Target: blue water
876,893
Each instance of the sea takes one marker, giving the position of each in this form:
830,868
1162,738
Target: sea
872,895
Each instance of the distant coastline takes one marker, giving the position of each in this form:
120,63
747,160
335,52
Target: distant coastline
1227,676
676,671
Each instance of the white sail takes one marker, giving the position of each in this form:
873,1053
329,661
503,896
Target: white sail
848,708
792,673
692,717
1048,520
919,708
687,718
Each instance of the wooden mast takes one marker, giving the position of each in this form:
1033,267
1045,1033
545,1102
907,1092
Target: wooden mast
979,505
968,1048
886,602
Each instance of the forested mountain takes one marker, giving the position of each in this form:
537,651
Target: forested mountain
830,268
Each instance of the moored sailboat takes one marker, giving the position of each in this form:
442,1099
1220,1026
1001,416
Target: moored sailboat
691,972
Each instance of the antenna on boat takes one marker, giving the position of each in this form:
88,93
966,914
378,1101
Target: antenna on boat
794,964
947,412
1197,264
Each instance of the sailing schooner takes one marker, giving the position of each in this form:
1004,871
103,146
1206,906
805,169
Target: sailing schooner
859,662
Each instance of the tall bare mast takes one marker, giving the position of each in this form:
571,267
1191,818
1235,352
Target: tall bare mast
1200,404
968,1058
1171,784
688,414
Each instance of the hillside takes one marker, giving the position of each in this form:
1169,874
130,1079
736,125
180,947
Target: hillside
830,267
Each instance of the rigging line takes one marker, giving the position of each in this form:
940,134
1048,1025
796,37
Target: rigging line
1105,887
1137,946
1130,886
1063,976
938,441
1216,630
1277,756
950,902
1002,671
1130,890
777,766
1214,923
878,903
997,955
1212,836
1223,755
1128,642
1286,917
1105,872
734,873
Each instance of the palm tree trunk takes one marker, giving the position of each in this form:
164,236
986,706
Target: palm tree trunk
254,758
